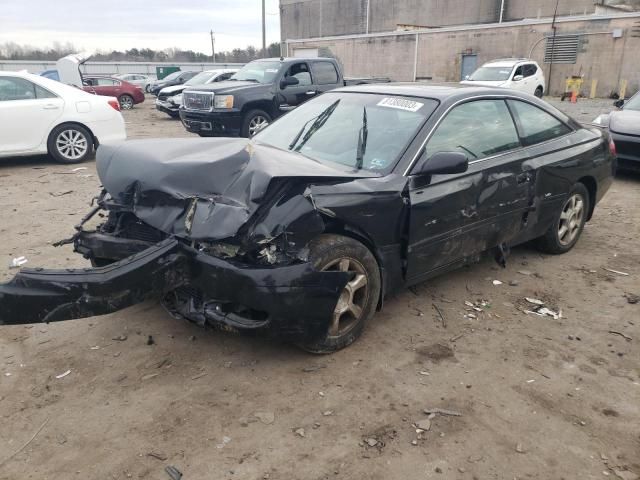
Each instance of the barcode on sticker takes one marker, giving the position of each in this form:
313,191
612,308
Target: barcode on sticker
401,104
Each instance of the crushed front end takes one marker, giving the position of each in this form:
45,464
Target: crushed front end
234,259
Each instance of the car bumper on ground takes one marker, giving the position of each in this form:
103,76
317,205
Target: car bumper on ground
293,301
213,123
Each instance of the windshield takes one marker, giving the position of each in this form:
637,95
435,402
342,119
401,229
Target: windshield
262,72
357,130
171,76
200,79
491,74
633,103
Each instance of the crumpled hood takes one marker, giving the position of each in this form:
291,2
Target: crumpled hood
173,90
203,189
626,122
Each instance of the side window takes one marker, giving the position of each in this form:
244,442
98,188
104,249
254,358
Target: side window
519,71
530,70
325,73
43,93
479,129
12,88
223,77
535,124
104,82
301,72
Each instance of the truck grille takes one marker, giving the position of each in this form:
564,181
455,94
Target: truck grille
197,101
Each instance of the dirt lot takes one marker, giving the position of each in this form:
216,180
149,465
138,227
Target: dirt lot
540,398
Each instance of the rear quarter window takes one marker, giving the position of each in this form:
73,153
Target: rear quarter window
536,125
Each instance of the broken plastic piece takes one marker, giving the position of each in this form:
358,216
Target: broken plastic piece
18,262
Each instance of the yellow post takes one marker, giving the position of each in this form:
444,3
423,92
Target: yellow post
594,86
623,88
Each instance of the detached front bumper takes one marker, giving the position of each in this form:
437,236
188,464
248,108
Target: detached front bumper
294,301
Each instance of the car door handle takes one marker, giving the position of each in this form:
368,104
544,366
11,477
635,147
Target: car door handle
50,106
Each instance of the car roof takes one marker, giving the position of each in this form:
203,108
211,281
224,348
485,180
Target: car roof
437,92
507,62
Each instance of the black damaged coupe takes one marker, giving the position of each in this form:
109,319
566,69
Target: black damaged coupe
301,231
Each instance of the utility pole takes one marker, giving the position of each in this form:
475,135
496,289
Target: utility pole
553,45
264,30
213,46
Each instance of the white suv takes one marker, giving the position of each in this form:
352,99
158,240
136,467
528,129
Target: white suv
515,73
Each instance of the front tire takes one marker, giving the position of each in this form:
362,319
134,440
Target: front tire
568,224
70,144
358,300
126,102
539,92
253,122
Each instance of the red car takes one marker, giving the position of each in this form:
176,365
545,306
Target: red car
127,94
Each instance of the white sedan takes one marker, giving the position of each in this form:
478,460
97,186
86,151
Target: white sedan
39,115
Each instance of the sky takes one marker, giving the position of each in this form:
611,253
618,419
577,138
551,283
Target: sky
122,24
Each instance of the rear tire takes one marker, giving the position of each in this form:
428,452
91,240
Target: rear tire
126,102
70,144
358,301
568,223
539,92
253,122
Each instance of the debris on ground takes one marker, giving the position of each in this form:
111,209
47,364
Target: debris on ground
225,440
423,425
200,375
520,448
442,319
150,340
173,472
61,194
632,298
626,337
540,309
120,338
150,376
299,432
497,282
265,417
372,442
442,411
160,456
617,272
78,169
62,375
18,262
313,368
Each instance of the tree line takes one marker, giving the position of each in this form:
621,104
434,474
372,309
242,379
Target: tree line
14,51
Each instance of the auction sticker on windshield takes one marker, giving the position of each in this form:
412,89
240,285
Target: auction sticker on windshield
401,104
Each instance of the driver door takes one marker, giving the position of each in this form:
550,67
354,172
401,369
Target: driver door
455,217
295,95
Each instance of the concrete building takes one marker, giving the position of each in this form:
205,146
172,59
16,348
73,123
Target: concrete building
441,40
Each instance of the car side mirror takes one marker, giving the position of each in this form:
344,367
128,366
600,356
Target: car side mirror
443,163
517,78
467,77
619,103
289,82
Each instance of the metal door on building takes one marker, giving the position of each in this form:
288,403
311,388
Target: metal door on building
469,65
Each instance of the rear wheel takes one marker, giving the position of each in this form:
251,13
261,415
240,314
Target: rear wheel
126,102
568,224
70,144
358,300
253,122
539,92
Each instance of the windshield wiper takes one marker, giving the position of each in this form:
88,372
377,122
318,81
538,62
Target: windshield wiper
320,120
363,135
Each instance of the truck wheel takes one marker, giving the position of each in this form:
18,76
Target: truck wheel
358,300
539,91
70,143
253,122
568,224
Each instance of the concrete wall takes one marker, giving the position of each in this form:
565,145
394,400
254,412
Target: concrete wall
318,18
439,54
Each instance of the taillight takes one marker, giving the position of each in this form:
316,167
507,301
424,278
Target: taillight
612,147
115,104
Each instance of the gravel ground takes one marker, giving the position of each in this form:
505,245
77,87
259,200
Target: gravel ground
539,398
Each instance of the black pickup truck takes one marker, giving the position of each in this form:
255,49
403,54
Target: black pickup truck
259,93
